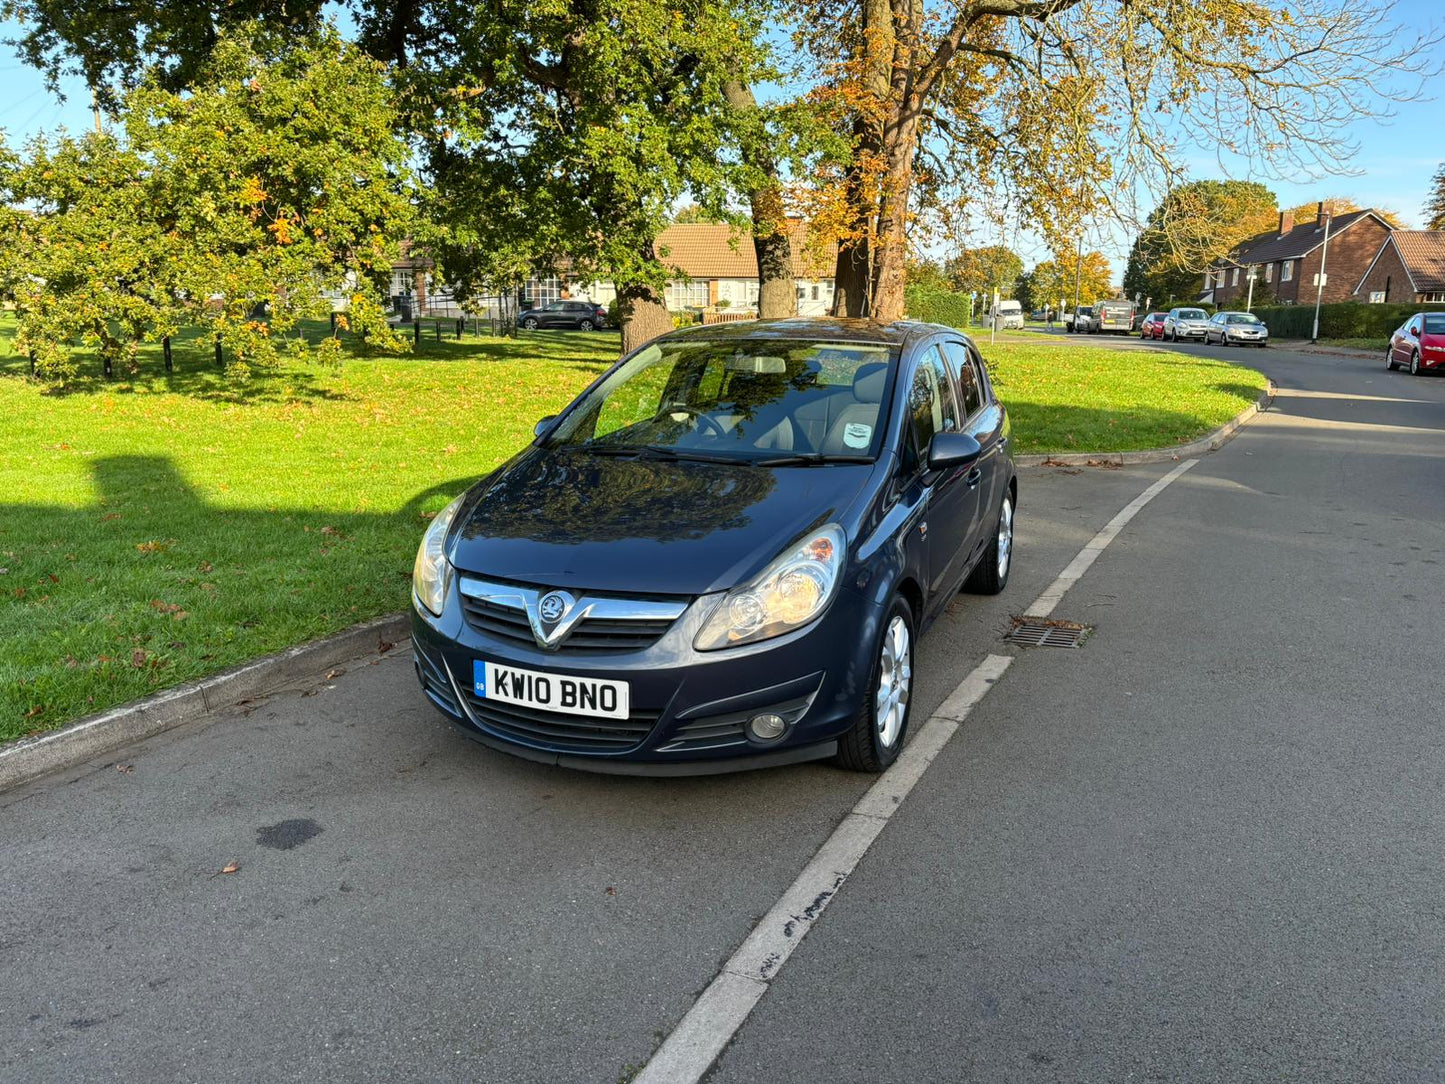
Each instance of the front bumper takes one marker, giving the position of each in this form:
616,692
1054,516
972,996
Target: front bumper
1190,332
688,710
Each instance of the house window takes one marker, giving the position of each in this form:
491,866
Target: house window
752,295
686,295
1269,272
1433,298
815,291
1286,271
801,292
540,291
1235,280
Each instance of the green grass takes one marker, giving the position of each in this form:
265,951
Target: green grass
1066,398
157,528
1373,345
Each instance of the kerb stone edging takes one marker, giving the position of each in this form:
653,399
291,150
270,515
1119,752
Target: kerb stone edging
1203,445
96,735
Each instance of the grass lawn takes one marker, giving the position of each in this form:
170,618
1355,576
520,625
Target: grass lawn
159,528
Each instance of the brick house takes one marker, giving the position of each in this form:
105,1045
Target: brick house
1408,269
1287,259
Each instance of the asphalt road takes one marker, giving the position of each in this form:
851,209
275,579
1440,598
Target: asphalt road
1206,846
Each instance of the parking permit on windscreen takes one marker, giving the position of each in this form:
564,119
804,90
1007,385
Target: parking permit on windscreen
857,435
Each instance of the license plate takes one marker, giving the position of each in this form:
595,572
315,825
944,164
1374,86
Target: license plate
597,697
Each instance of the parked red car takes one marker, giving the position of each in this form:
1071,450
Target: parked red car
1152,326
1418,343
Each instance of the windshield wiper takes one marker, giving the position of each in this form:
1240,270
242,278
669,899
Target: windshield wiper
656,451
810,459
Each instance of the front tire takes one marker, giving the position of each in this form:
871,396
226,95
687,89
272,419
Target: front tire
530,323
876,737
990,575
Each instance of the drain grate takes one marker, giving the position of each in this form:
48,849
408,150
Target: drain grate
1047,632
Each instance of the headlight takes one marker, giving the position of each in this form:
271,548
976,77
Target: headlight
431,572
791,592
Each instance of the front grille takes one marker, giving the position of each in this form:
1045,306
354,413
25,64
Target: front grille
615,625
555,730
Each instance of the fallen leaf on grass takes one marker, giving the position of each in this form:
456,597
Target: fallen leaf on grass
205,566
153,546
138,658
165,607
34,711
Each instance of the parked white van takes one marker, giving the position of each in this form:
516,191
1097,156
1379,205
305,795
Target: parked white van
1009,314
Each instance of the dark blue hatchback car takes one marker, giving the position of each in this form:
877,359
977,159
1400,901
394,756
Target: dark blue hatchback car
721,554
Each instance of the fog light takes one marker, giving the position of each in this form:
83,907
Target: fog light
767,727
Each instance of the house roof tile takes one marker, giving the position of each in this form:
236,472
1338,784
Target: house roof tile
708,250
1303,239
1423,254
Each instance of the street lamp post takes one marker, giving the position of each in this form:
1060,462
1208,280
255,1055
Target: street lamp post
1320,279
1251,274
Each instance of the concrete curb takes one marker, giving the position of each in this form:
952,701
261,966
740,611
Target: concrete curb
97,735
1202,446
1303,346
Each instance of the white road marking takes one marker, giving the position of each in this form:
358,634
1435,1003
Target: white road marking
1045,603
717,1014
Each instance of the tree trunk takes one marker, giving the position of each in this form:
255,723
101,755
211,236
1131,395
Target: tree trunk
644,316
853,274
777,297
890,256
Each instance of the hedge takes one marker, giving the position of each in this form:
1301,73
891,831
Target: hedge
937,306
1340,320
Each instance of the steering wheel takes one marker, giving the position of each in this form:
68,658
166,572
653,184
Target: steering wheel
696,415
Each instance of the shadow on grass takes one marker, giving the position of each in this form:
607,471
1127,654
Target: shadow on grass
152,585
196,374
1058,427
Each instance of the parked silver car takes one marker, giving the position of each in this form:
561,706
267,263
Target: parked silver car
1186,324
1237,329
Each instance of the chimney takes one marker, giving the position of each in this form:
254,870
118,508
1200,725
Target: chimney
1286,222
1320,216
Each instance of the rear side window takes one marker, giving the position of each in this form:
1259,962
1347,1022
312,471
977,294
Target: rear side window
930,400
965,371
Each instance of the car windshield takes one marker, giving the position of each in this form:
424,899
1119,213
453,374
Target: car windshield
754,400
1435,323
1192,314
1243,318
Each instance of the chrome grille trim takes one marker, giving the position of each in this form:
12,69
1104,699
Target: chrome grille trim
594,623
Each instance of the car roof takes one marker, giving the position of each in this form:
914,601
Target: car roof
826,328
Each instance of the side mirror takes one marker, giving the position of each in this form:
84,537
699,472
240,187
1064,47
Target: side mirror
949,450
1415,331
543,425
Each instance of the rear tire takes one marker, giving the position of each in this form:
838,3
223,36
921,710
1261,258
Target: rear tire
1415,363
990,575
1391,364
877,734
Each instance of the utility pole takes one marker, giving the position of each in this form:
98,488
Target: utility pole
1320,285
1078,267
1250,275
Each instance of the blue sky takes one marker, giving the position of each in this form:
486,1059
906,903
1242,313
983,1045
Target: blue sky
1396,160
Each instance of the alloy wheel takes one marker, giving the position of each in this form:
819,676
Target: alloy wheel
895,678
1005,537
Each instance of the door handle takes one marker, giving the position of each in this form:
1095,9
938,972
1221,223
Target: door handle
974,477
